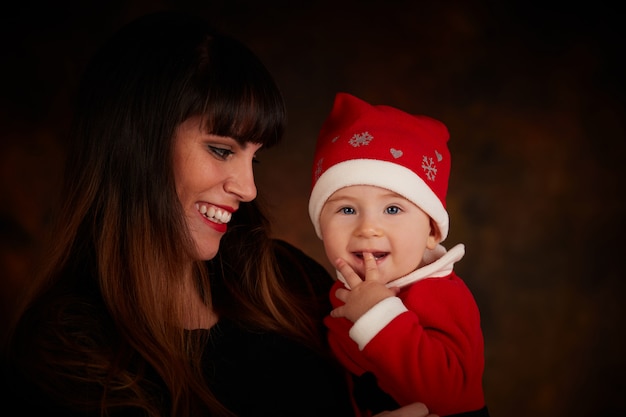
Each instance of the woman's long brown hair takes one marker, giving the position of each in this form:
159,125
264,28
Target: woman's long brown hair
99,328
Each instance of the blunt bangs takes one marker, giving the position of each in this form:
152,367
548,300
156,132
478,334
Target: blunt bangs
242,100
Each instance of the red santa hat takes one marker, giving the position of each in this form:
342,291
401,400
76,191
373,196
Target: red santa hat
363,144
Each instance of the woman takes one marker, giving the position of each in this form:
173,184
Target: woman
163,294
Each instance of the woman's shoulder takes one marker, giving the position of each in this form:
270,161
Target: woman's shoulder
57,341
62,327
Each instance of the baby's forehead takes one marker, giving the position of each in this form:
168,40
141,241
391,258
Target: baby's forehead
363,191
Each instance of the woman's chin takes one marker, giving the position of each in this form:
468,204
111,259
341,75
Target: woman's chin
207,252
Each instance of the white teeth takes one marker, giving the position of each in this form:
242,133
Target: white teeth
214,214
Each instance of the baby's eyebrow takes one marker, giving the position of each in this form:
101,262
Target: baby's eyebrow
336,197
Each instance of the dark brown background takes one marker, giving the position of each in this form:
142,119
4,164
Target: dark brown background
534,100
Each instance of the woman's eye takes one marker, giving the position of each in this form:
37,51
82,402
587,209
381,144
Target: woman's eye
221,153
392,210
346,210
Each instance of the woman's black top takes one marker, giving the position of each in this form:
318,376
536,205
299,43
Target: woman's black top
253,373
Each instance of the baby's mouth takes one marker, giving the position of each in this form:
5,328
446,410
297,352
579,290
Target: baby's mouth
215,214
377,255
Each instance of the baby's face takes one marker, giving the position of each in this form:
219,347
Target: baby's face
366,218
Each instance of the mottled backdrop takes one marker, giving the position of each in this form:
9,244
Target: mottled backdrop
533,96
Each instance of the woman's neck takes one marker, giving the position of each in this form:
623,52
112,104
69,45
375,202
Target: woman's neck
200,317
196,313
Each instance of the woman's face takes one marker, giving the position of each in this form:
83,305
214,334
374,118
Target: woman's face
213,174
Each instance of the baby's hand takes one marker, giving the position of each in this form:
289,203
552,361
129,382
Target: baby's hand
364,294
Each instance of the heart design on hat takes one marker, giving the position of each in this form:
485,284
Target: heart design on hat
397,153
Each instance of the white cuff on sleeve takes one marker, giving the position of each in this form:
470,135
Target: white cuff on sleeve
375,319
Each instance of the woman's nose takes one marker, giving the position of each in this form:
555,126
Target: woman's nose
241,182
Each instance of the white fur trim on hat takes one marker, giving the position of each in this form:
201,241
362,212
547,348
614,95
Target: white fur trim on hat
382,174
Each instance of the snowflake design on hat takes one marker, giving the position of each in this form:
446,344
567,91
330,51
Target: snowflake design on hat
429,168
359,139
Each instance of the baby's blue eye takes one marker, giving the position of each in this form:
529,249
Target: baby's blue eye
347,210
392,210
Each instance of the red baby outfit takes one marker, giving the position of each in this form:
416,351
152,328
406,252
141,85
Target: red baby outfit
425,345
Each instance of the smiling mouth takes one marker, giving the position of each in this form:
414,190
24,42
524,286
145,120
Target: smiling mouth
214,214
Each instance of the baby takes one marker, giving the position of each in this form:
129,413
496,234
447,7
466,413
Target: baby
404,324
